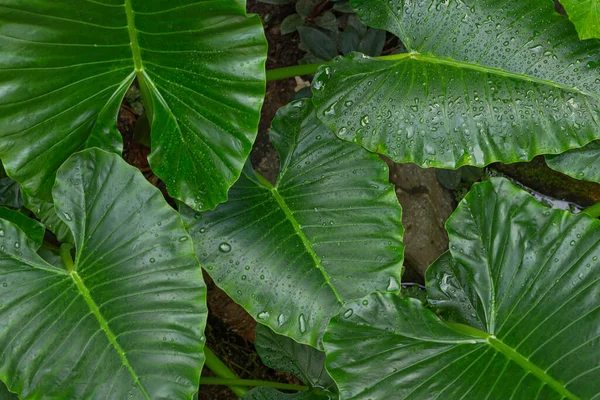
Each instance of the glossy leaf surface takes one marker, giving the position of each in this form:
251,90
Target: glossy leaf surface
483,81
329,231
65,66
126,319
534,275
582,163
585,15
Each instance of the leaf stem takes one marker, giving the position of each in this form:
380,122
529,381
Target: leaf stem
311,69
251,382
593,211
290,72
222,371
65,254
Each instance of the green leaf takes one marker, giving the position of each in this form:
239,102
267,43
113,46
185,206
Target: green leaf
533,273
125,320
579,163
5,394
267,393
10,191
585,15
483,81
291,23
319,44
284,354
46,213
66,66
33,229
328,232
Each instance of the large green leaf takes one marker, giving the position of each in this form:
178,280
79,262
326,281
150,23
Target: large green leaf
329,231
306,363
483,81
582,163
585,15
532,275
126,319
65,66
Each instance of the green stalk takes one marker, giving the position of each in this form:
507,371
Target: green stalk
252,382
593,211
222,371
65,254
290,72
311,69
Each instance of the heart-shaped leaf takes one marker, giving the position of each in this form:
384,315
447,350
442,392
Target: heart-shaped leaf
585,15
65,67
531,276
582,163
125,319
483,81
329,231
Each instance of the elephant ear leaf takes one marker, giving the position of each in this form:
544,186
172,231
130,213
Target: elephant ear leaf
579,163
125,319
306,363
329,231
200,67
482,81
585,15
531,278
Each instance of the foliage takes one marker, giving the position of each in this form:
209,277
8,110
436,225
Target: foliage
202,80
316,257
494,86
329,231
125,318
581,163
519,293
585,14
306,363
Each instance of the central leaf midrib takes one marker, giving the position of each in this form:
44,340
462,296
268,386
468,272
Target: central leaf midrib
307,245
133,38
432,59
530,367
514,356
85,293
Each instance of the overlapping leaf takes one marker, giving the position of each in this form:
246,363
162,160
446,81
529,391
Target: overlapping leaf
10,191
532,277
585,15
32,228
582,163
65,66
306,363
328,232
125,320
483,81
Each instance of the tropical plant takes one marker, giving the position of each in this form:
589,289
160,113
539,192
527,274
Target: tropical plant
102,294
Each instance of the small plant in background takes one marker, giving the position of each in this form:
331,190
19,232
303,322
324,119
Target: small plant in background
329,28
